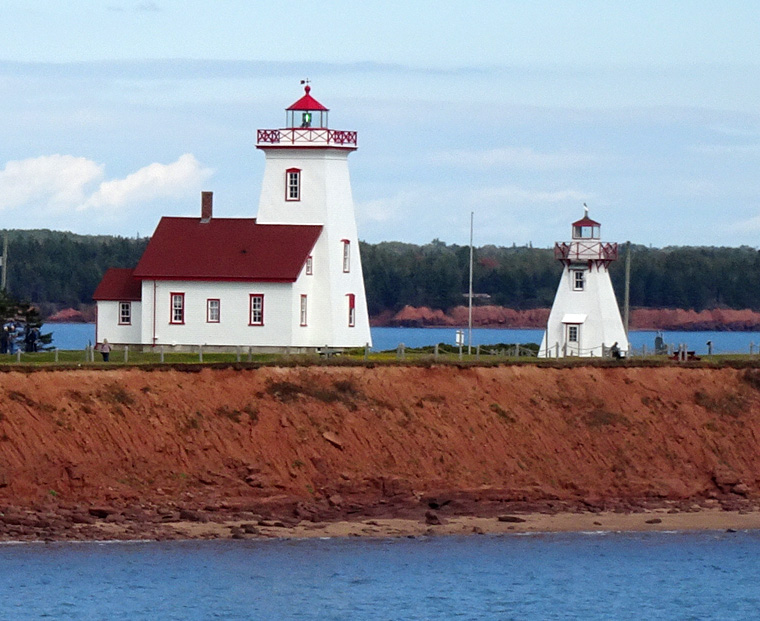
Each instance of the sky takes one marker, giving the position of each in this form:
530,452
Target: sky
115,113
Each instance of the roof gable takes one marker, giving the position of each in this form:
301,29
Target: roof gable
226,249
118,284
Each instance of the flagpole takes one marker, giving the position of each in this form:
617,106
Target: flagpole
469,297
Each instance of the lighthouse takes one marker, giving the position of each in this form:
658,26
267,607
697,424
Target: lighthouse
585,318
306,182
288,280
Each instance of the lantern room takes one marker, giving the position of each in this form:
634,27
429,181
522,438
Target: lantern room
307,112
586,228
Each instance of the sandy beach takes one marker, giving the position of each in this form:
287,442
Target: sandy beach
605,521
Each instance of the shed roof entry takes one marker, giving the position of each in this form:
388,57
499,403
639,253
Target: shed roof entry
119,284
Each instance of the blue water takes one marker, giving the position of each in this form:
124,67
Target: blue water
78,335
565,576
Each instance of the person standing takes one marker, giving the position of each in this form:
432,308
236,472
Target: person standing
105,350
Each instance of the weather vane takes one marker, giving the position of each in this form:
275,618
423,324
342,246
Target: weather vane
306,81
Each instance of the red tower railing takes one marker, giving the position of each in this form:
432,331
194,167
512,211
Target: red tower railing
306,136
596,252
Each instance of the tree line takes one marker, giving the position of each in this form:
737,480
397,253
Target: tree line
55,270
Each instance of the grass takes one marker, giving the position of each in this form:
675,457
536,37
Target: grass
412,357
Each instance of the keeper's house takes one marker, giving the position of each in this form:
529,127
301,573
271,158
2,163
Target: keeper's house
289,279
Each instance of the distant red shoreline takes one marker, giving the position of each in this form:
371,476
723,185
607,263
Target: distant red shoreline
727,320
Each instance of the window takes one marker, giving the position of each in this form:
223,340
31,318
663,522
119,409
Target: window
346,256
178,308
309,266
578,280
303,310
351,310
256,317
125,313
212,310
293,184
572,334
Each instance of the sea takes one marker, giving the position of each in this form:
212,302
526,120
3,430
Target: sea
589,576
72,336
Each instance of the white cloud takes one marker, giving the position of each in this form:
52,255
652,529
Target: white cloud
60,181
151,182
512,157
64,191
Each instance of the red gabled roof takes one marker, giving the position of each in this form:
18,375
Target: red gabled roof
307,102
226,249
119,284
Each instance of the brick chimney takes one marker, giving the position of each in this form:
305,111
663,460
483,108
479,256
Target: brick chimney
207,206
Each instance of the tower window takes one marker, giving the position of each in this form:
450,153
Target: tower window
351,310
293,184
256,309
309,265
346,256
579,280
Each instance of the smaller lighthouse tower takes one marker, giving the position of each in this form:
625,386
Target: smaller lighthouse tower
585,318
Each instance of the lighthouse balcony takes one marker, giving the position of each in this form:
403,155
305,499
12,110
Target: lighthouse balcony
306,137
583,251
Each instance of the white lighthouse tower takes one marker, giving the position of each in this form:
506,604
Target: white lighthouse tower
306,182
585,318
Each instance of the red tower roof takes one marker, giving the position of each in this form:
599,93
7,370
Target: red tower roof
586,221
307,102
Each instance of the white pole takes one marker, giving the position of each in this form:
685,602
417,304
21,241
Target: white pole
469,306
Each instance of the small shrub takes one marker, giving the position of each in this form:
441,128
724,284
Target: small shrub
20,397
602,418
226,412
502,413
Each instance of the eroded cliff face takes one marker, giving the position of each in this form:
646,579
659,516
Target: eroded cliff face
354,435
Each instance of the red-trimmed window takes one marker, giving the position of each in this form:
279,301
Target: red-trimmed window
178,308
309,266
125,313
293,184
303,310
346,255
351,310
213,310
256,309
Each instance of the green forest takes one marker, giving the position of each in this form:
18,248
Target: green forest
56,270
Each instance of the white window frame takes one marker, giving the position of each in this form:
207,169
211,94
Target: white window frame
177,309
309,265
125,318
578,280
256,309
304,308
573,329
293,184
346,256
213,307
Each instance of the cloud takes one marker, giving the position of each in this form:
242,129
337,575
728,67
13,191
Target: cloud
512,157
58,180
149,183
58,186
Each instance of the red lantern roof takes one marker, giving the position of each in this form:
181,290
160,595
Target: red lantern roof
307,102
586,221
